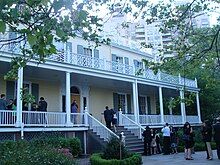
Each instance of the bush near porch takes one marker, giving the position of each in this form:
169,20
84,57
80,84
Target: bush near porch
38,152
111,155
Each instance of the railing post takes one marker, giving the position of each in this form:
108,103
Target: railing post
86,116
183,108
19,97
180,81
161,105
68,106
120,117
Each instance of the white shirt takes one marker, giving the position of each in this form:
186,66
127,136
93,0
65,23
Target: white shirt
166,131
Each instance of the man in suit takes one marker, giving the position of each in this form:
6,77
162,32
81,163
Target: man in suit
108,115
216,128
42,106
3,102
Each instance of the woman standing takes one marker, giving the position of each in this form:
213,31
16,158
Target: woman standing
188,139
207,137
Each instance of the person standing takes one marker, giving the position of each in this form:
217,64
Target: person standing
147,141
3,106
207,137
108,115
42,107
166,139
3,102
188,139
74,110
114,119
216,129
174,140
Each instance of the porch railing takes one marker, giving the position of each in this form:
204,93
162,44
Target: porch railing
131,125
102,64
7,117
100,128
34,118
78,119
192,119
173,119
149,119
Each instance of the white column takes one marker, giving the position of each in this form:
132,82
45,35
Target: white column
161,105
198,106
19,100
68,106
135,101
85,142
183,107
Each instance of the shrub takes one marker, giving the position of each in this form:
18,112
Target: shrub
58,142
97,159
25,153
112,150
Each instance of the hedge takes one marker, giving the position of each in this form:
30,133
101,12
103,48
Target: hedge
135,159
59,142
23,152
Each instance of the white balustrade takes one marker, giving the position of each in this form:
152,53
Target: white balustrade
101,64
34,118
150,119
173,119
131,125
77,119
7,117
100,128
192,119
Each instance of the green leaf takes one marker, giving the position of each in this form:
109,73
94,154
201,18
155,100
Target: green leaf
31,39
2,26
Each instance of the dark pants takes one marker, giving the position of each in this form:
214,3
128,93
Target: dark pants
218,149
158,148
147,148
166,145
108,124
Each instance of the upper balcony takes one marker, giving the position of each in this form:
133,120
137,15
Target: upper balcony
93,63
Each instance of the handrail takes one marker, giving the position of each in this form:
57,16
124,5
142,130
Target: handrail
100,128
132,127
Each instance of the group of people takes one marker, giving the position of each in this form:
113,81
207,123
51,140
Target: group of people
110,116
170,139
152,141
11,104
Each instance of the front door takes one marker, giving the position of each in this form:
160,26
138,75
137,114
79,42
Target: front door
77,98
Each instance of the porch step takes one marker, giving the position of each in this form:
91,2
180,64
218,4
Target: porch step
133,144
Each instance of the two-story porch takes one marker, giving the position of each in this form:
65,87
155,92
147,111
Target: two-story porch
94,82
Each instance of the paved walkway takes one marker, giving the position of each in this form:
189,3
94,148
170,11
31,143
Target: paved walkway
175,159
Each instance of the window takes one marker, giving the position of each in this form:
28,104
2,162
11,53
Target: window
87,51
122,103
142,105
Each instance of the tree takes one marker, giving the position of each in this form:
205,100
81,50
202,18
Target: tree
35,24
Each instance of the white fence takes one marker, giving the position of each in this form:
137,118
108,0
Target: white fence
7,117
99,128
131,125
156,119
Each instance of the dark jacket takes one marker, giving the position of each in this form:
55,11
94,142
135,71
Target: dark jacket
108,115
216,128
43,106
3,104
207,134
147,136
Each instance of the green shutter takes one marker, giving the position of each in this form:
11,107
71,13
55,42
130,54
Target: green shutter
115,101
10,90
35,91
148,105
80,49
126,60
114,57
96,53
129,103
69,47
